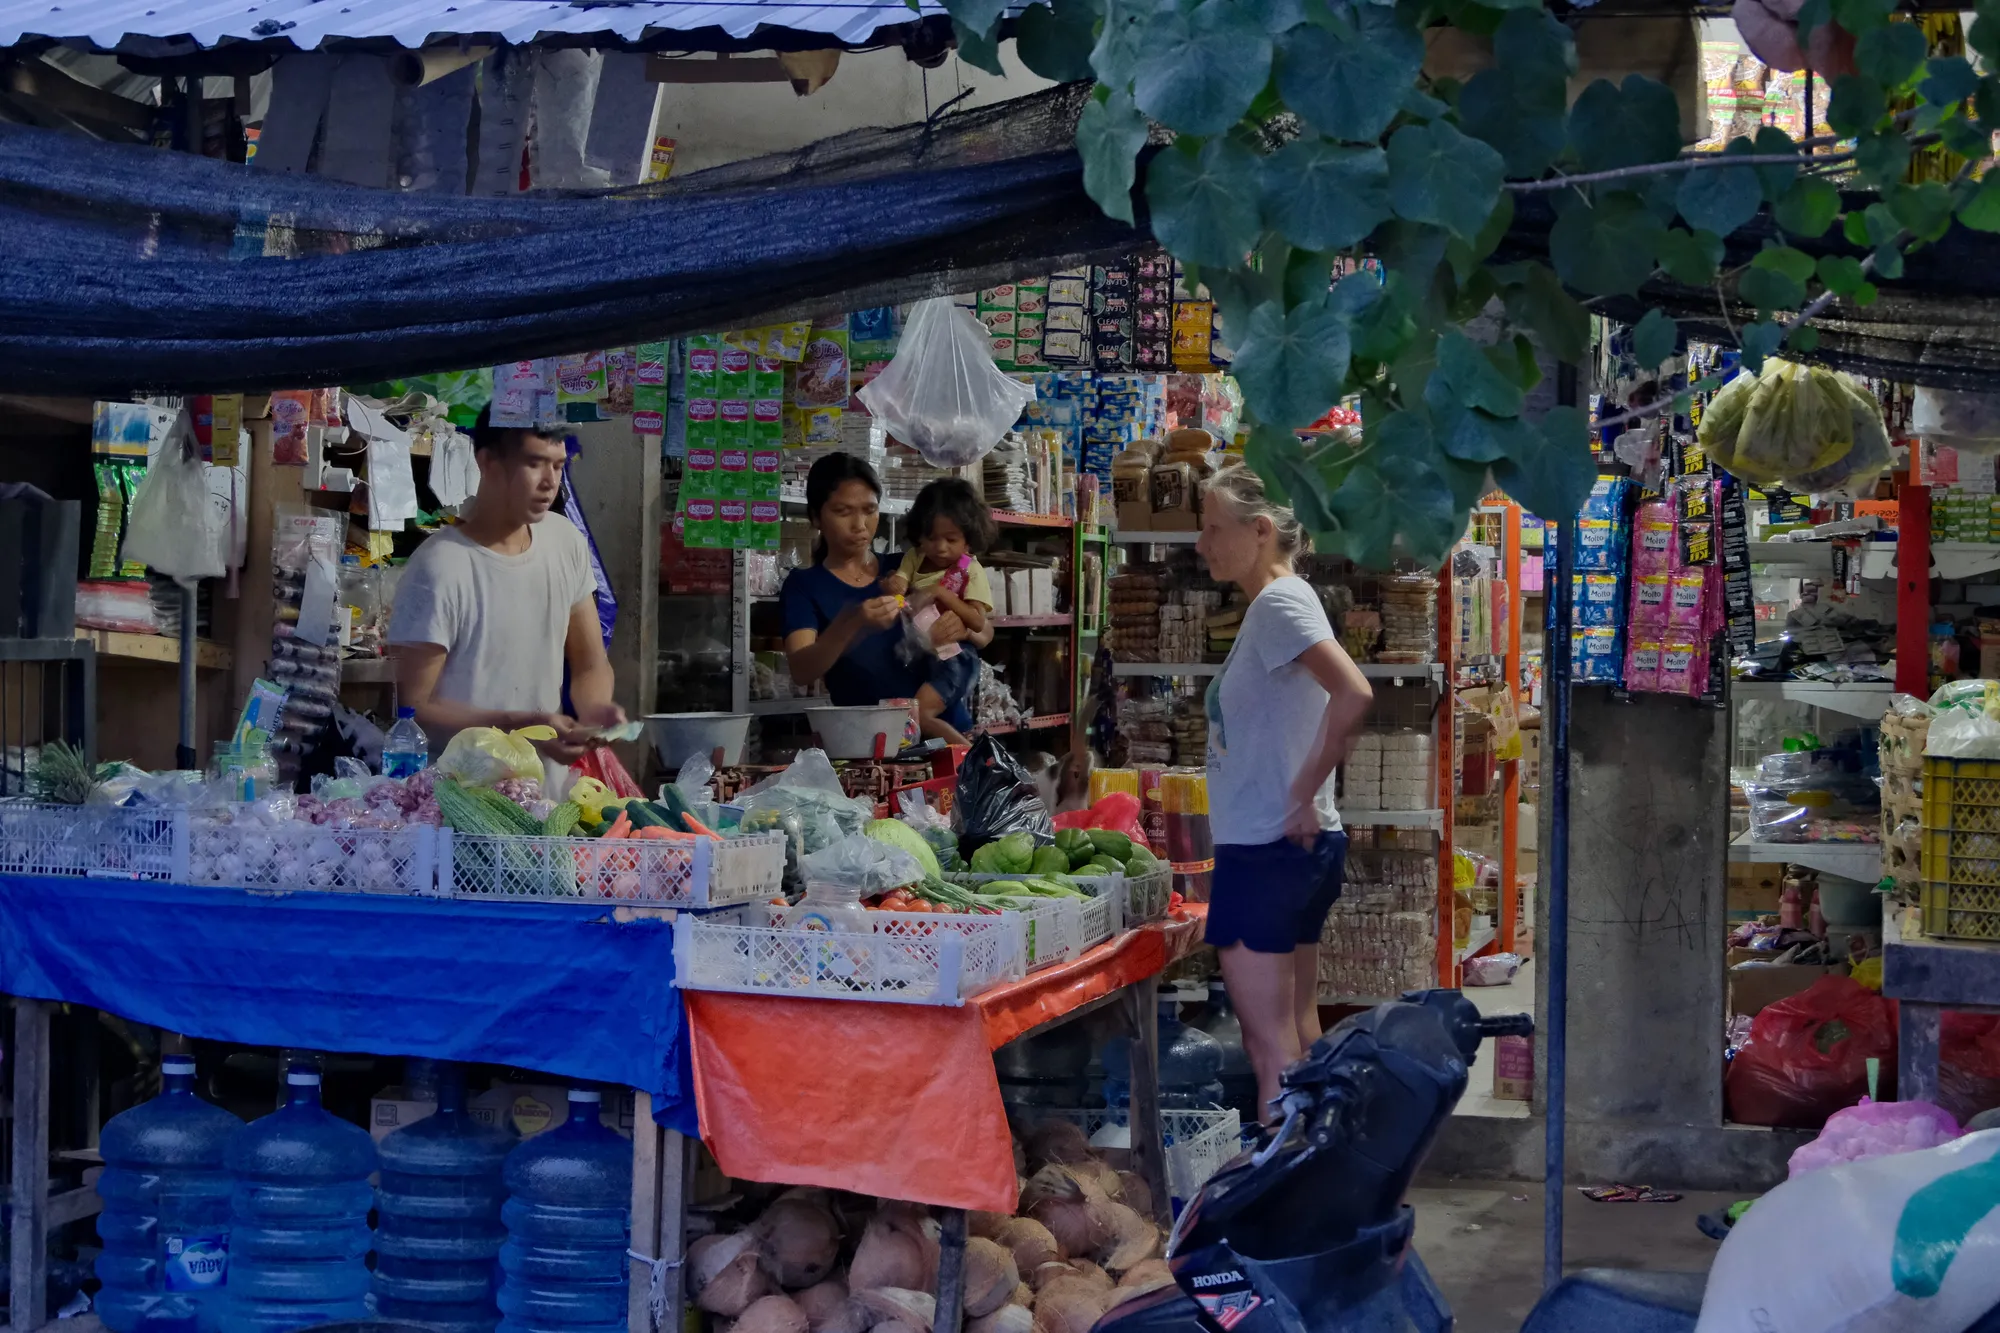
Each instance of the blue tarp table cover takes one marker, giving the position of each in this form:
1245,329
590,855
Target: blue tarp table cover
560,988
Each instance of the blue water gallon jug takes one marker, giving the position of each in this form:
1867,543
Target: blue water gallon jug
165,1224
569,1223
1239,1079
298,1234
1190,1066
437,1224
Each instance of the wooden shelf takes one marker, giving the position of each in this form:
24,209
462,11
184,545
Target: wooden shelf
1181,538
368,671
1013,518
1027,622
208,655
1050,722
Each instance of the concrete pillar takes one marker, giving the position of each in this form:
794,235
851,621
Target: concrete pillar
617,481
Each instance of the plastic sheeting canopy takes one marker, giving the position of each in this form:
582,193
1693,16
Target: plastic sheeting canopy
130,269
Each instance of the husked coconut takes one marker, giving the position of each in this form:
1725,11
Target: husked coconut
1134,1193
1100,1175
1006,1319
989,1225
888,1256
772,1314
727,1274
1058,1141
1030,1242
990,1276
1069,1305
1049,1272
1146,1271
709,1255
914,1221
800,1241
829,1309
1092,1274
913,1309
1024,1296
1133,1239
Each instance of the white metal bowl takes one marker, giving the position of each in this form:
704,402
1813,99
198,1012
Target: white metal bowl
678,735
849,733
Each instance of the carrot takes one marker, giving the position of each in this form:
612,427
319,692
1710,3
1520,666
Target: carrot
661,833
694,825
621,827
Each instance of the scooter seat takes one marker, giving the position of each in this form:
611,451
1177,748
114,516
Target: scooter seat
1597,1299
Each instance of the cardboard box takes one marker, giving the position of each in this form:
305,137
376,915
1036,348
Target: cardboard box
1753,987
394,1107
534,1107
1753,890
1175,506
1020,592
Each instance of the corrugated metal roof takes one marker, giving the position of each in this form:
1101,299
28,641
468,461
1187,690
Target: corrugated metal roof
307,23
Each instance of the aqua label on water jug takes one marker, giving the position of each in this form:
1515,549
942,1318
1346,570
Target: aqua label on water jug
197,1263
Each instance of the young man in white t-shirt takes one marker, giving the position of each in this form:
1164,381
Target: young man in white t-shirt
489,611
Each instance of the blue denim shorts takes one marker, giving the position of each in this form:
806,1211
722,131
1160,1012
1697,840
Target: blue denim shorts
1273,897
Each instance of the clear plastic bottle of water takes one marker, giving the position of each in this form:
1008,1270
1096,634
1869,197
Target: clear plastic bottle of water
405,750
165,1224
569,1223
438,1230
298,1235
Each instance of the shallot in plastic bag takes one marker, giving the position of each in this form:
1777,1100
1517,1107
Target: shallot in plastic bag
1875,1129
942,394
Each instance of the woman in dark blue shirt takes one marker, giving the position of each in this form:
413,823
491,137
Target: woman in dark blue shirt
839,625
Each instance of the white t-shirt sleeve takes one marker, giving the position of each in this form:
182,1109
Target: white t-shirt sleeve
429,606
1292,621
582,583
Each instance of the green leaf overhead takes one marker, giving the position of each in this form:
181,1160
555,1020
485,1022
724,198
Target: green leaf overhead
1808,208
1470,370
1440,176
1690,257
1890,55
1346,83
1653,339
1053,40
1291,364
1204,206
1721,199
1518,105
1553,478
1321,195
1109,135
1534,297
1606,248
1202,70
1633,123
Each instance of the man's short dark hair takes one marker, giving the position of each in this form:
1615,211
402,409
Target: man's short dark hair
504,440
954,498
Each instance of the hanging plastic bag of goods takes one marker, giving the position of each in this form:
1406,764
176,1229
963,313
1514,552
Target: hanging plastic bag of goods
942,394
1813,429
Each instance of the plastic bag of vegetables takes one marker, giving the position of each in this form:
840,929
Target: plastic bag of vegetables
1799,419
1722,422
996,797
482,756
861,862
1854,475
806,803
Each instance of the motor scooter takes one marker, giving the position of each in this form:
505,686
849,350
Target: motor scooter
1308,1233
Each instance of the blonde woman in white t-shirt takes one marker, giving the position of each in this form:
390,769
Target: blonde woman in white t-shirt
1280,718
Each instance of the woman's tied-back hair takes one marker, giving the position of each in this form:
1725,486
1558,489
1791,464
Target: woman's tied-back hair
1241,491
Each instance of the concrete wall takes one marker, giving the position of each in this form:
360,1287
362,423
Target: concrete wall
1648,885
716,123
617,480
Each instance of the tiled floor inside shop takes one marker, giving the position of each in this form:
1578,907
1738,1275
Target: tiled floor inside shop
1483,1239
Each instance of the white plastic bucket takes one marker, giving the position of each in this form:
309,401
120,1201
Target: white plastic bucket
678,735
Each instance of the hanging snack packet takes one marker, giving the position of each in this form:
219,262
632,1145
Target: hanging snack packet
1653,539
1687,602
1594,546
1596,599
1683,668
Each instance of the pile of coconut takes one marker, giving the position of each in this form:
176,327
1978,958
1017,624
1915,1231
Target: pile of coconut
1080,1243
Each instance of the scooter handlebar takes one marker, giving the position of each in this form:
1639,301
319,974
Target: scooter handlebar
1507,1025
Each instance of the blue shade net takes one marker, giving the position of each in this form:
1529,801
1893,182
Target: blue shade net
129,269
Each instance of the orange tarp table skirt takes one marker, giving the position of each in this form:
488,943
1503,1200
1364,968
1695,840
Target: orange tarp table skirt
895,1100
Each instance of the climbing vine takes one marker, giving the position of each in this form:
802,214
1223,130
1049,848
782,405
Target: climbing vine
1306,130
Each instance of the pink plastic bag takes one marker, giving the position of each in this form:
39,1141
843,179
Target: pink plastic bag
1875,1129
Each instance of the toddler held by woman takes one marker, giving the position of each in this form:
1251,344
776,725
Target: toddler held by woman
949,527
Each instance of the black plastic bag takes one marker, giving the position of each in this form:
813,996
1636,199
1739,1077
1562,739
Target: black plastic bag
997,797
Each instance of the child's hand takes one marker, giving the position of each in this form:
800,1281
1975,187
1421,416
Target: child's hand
895,585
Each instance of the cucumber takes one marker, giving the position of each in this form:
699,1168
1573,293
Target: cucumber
643,815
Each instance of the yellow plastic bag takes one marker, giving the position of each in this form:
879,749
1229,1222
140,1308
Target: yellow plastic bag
1506,725
482,756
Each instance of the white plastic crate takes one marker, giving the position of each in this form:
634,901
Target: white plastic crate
102,841
1053,927
695,872
906,958
1197,1143
310,857
1098,917
1146,896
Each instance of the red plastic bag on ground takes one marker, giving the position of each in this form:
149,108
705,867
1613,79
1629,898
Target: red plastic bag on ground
1118,812
1969,1064
602,764
1808,1056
